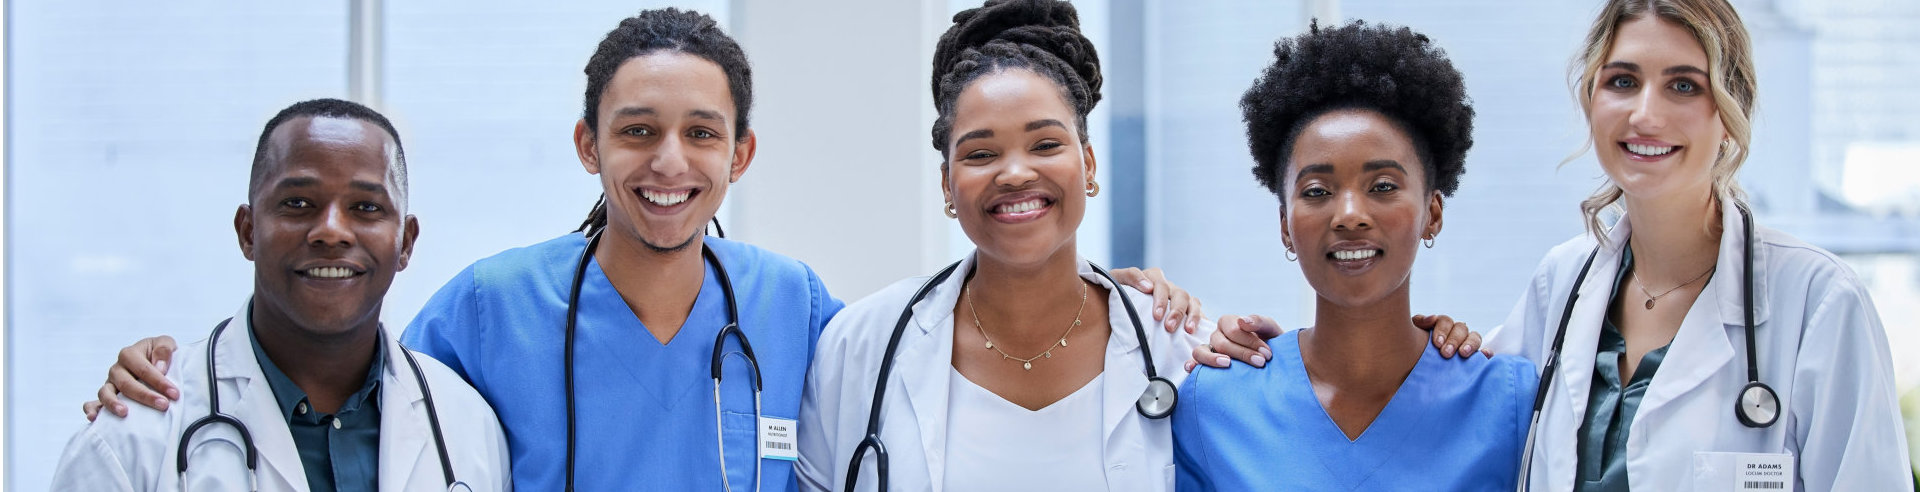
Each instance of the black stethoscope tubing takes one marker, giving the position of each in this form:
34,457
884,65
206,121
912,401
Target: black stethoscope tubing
214,416
1157,402
732,329
1758,406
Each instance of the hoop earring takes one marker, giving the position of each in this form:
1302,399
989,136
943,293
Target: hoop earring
1429,242
951,213
1093,189
1291,256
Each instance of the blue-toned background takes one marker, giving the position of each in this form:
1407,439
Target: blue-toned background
130,126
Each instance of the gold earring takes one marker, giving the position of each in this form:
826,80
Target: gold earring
951,213
1093,189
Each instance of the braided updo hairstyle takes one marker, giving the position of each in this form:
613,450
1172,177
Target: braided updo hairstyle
1038,35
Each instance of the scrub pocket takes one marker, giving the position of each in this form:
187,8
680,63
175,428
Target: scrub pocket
743,448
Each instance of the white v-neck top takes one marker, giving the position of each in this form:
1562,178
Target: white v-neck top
993,444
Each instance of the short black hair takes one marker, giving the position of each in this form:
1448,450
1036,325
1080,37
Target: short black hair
1039,35
326,108
651,31
1391,70
670,28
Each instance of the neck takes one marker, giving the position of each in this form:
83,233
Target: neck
1674,238
329,367
1007,291
658,286
1362,347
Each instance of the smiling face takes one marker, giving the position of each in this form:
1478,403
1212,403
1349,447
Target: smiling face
1654,124
326,227
664,148
1017,171
1357,206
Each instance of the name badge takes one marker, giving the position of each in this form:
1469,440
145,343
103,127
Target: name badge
1743,472
777,439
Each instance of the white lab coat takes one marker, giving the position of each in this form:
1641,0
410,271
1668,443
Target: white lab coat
1820,346
139,452
1138,452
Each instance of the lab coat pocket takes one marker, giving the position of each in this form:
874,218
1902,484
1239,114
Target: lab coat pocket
1743,471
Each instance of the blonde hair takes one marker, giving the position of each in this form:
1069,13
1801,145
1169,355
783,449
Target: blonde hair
1723,37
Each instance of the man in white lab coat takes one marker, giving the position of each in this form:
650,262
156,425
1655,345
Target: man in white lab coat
303,374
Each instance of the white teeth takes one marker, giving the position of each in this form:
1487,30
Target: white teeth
1648,149
1018,207
1360,254
329,272
666,199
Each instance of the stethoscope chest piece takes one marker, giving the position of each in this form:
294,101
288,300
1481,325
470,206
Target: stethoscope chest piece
1158,400
1758,405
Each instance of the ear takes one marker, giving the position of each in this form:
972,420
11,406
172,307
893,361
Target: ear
743,156
243,227
1086,154
1286,231
946,182
1435,207
409,233
583,145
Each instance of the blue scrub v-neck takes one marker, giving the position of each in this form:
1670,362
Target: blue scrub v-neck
1359,458
658,375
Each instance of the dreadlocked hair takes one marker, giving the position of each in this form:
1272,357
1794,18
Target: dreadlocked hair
1042,36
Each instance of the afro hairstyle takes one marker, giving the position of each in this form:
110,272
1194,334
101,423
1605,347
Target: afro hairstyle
1391,70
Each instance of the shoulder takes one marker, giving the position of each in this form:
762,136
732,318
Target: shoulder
536,261
1566,259
746,260
870,319
450,390
1790,261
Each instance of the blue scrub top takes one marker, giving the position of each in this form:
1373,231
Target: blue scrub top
1454,424
645,411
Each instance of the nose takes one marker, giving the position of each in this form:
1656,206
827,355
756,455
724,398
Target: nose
1016,172
1350,212
670,158
1649,111
334,228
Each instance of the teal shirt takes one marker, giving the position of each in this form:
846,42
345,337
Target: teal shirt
339,451
1611,404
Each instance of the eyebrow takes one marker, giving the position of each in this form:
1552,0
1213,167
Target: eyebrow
633,111
1383,164
309,182
1313,169
973,135
1031,126
1674,70
1038,124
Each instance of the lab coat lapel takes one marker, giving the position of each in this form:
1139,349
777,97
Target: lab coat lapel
1575,372
255,405
1704,344
923,362
404,435
1125,378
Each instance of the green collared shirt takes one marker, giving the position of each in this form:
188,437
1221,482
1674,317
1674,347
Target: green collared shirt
340,452
1610,404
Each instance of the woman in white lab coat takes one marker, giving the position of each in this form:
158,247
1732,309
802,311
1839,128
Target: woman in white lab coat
1656,349
139,452
1021,368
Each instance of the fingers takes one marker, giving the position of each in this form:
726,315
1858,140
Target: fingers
1204,354
1473,341
1194,315
1263,326
125,384
1179,308
141,373
107,398
1236,341
92,409
1450,336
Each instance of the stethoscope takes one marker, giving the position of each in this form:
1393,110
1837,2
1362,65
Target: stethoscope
214,416
1156,402
732,329
1758,406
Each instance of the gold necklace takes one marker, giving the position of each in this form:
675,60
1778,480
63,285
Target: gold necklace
1027,363
1651,297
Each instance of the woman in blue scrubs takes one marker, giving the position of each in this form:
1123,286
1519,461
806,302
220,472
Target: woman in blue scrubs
1361,131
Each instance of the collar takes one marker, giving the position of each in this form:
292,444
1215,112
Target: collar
291,397
1725,287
